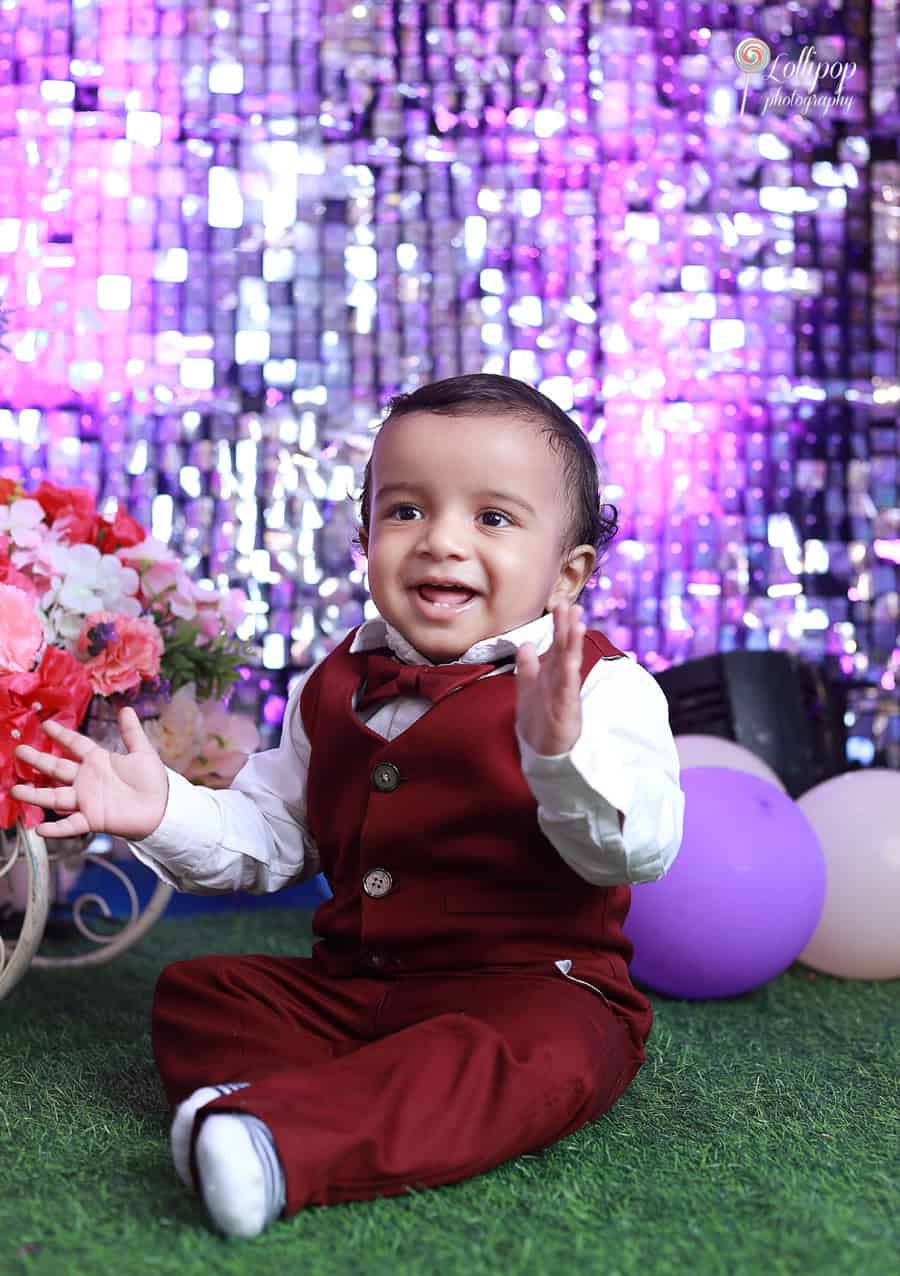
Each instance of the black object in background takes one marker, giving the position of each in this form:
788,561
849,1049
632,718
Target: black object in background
771,702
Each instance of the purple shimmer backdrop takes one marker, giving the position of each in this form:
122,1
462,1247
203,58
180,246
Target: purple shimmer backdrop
229,232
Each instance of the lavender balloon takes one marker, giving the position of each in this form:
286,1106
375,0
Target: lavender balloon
743,897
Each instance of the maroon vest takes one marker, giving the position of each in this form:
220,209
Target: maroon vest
431,846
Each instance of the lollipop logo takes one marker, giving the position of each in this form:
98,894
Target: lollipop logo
753,56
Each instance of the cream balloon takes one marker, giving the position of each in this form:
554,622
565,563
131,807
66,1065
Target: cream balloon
856,817
713,750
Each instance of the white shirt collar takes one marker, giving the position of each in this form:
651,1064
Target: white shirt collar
377,632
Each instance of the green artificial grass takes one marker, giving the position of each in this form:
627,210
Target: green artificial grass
761,1136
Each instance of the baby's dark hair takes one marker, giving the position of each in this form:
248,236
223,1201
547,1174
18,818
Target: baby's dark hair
590,522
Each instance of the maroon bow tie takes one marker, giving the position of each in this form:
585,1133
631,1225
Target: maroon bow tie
386,676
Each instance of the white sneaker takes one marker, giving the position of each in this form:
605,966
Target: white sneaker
183,1124
241,1179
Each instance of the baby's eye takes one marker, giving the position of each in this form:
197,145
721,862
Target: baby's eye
397,509
497,514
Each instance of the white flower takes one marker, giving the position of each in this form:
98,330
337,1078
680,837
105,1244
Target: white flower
22,520
84,581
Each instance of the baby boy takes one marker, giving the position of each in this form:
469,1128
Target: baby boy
480,777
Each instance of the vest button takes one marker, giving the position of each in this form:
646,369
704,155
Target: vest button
385,777
377,882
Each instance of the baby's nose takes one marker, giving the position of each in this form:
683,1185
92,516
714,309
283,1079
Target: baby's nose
443,534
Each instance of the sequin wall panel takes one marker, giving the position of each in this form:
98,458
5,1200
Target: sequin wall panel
229,232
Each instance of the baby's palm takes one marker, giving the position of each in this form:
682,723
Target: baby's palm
100,792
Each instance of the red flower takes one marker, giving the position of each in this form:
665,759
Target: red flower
72,507
60,689
119,533
9,490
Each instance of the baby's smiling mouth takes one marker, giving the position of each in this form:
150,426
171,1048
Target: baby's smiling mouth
444,595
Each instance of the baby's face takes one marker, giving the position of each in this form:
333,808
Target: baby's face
474,500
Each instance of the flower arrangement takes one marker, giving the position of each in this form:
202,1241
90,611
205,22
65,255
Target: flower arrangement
98,614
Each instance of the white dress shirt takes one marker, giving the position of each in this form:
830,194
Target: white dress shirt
254,835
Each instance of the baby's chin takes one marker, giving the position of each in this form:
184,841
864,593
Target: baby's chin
443,648
441,643
454,646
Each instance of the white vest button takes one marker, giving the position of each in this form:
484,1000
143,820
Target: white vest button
377,882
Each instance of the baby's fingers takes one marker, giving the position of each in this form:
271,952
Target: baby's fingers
574,613
77,744
134,737
526,659
61,799
576,632
72,826
48,763
568,635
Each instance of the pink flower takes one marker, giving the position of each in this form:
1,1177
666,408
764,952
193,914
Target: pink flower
218,613
10,575
160,571
119,652
203,742
167,586
38,562
230,739
21,634
208,621
233,608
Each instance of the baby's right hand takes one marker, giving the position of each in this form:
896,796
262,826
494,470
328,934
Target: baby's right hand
124,795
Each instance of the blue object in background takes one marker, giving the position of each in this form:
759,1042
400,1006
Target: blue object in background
97,880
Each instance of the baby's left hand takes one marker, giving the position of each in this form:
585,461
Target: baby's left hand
548,701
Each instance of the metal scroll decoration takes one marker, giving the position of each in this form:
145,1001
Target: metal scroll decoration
23,846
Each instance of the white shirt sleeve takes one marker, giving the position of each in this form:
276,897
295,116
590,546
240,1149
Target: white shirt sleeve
625,761
252,836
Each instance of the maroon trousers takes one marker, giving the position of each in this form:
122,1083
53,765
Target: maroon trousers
374,1085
